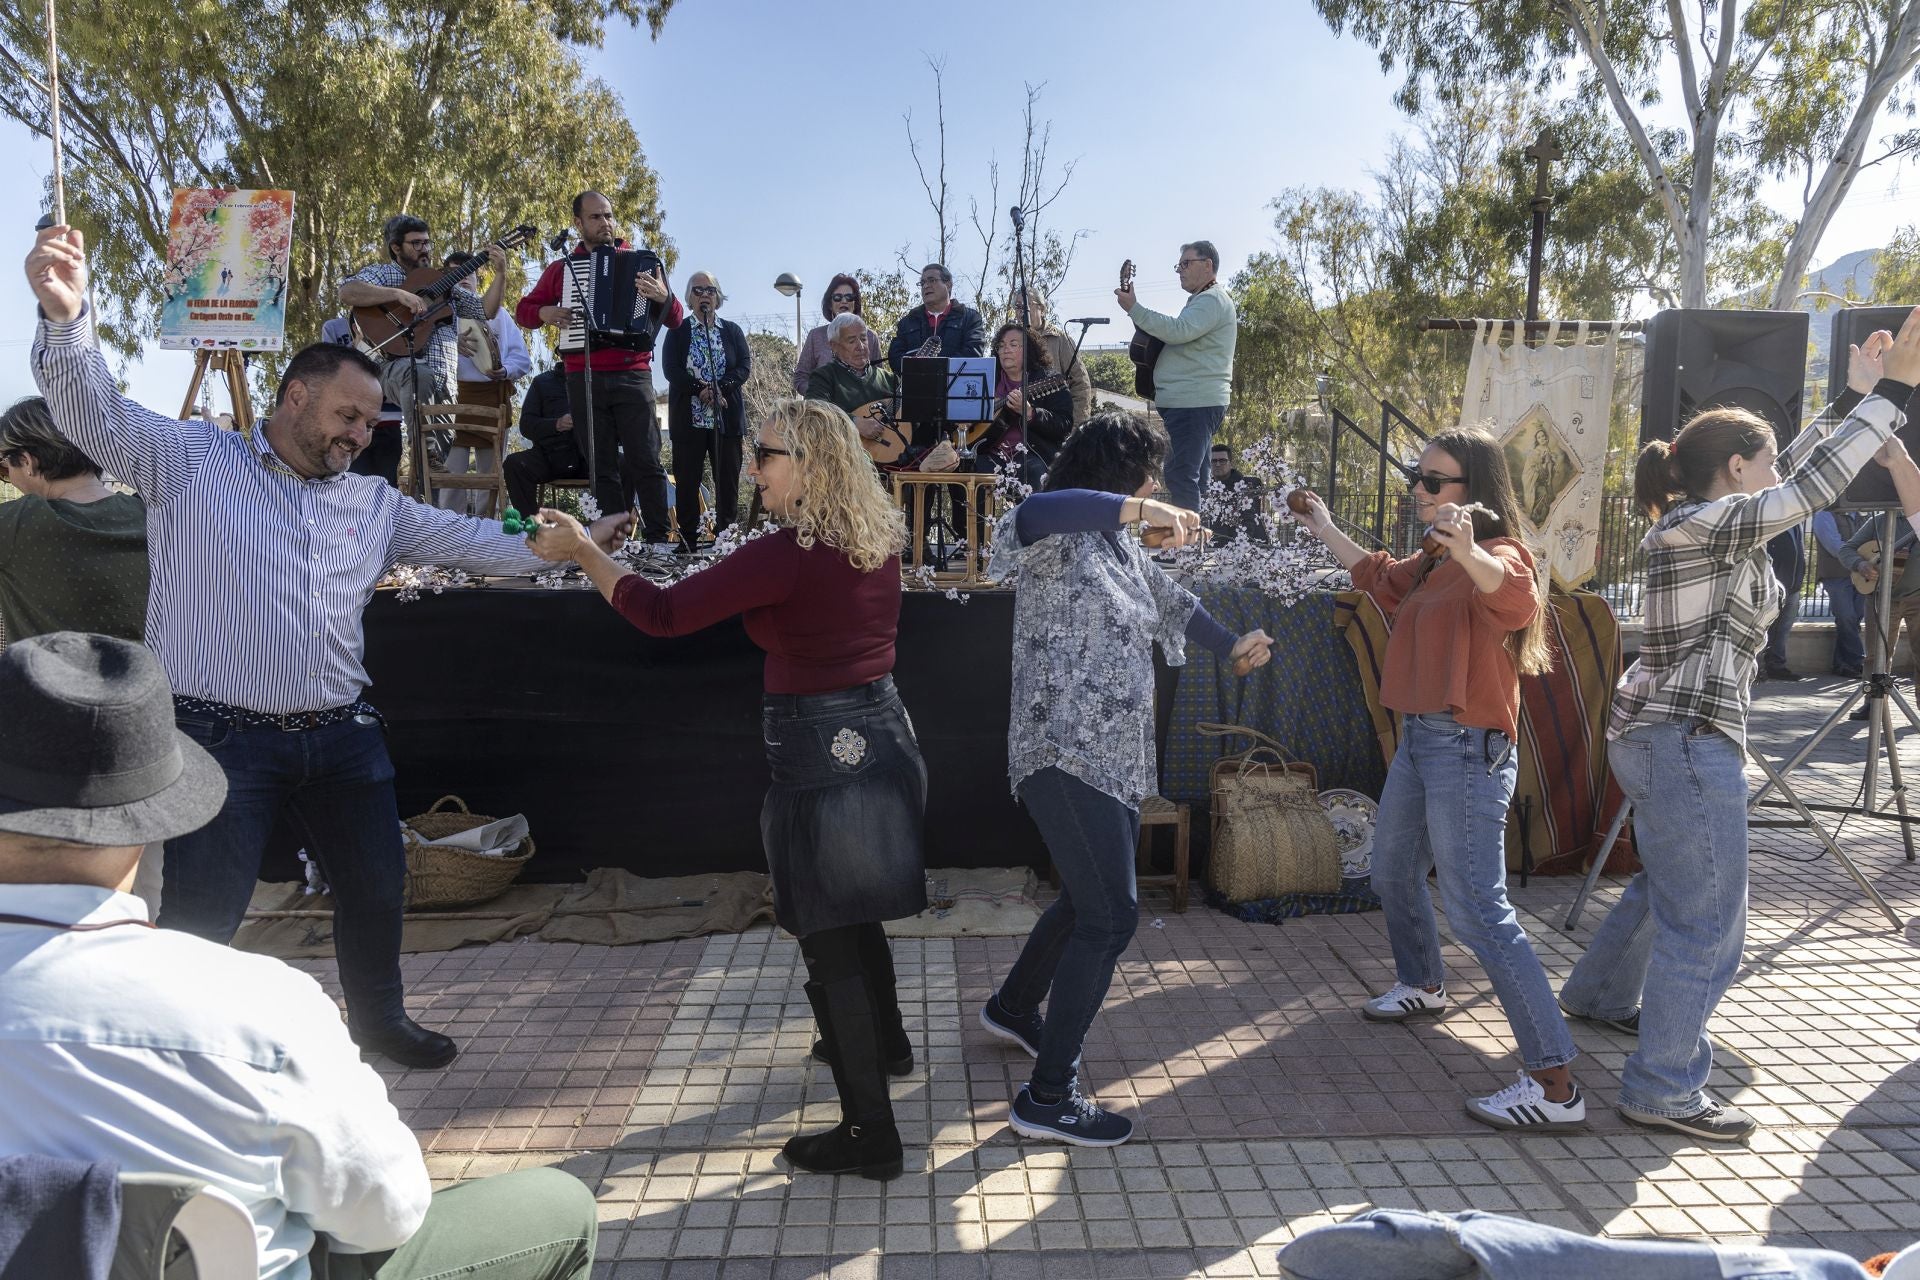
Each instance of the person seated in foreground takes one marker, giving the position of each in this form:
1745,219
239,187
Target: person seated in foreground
852,380
1038,423
169,1054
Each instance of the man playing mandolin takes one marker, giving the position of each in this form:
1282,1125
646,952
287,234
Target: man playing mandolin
383,284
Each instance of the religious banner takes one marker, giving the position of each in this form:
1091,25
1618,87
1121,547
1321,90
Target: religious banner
225,281
1549,407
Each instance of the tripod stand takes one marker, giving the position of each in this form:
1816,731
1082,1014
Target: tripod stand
1877,688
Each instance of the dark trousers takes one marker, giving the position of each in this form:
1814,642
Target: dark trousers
528,469
1071,952
381,457
626,445
692,447
1849,607
336,785
1788,553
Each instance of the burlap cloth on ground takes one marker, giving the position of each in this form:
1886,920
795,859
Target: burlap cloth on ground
618,908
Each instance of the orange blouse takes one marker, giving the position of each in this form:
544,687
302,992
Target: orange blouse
1447,650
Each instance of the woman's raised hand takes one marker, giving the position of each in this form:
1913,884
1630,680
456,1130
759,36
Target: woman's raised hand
1182,526
559,538
1254,649
1902,361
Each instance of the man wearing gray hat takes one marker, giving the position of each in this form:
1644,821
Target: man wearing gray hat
165,1053
263,552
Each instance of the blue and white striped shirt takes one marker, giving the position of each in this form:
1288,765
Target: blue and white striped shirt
259,576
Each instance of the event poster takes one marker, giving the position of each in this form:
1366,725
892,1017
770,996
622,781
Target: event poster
225,282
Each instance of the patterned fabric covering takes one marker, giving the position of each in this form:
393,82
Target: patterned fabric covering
1564,798
1354,896
1309,697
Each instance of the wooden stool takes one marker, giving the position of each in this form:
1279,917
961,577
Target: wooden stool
983,508
547,488
1156,811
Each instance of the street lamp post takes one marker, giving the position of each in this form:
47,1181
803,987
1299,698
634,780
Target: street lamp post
789,285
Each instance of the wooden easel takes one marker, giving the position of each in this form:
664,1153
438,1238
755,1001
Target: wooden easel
229,362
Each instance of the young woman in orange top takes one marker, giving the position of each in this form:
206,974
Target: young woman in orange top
1467,624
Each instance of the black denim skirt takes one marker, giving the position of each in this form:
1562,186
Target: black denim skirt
842,820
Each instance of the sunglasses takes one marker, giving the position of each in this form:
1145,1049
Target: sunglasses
843,297
703,289
1433,480
761,452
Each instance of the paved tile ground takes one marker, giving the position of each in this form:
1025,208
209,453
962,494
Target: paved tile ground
668,1075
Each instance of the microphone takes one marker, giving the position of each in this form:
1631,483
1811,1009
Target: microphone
1019,216
559,242
1091,320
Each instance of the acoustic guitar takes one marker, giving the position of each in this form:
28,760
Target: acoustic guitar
896,437
388,331
971,434
1870,552
1145,349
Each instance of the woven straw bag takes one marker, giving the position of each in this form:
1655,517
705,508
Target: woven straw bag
1270,835
438,876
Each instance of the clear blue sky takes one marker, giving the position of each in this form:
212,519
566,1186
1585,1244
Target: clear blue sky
1185,119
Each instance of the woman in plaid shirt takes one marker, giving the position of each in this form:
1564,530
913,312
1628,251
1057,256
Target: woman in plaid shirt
1666,954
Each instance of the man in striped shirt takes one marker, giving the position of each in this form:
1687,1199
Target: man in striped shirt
263,554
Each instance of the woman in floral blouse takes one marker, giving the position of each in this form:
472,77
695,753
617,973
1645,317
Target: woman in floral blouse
1090,605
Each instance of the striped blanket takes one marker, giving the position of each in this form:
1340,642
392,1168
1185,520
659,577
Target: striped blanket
1564,798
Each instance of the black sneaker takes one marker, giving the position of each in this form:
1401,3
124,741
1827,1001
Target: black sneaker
1629,1024
1861,712
1023,1031
1076,1118
1714,1122
1783,674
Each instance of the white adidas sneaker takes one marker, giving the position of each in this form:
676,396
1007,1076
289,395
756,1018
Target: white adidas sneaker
1523,1105
1405,1002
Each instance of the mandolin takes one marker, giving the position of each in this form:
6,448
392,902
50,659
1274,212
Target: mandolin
388,331
1145,349
973,433
895,439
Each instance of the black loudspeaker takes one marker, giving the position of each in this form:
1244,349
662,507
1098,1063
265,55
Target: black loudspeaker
1873,486
1710,359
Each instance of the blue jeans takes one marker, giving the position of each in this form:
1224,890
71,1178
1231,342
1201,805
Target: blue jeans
1444,809
336,785
1397,1244
1849,610
1671,946
1190,433
1071,951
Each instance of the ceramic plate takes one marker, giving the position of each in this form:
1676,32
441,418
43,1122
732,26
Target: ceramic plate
1353,816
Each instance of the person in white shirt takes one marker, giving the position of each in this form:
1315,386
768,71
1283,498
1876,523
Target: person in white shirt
170,1054
493,359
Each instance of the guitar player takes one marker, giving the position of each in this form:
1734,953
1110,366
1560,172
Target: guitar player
1193,375
409,245
1040,421
1861,556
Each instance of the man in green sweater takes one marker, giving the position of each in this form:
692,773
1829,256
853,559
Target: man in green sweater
1193,378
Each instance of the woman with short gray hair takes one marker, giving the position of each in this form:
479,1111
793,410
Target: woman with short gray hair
706,360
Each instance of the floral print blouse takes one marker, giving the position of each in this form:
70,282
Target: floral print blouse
1088,608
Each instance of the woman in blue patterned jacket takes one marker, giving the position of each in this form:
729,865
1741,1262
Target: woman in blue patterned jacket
1080,747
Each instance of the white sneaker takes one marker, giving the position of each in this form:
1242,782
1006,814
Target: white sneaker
1405,1002
1523,1105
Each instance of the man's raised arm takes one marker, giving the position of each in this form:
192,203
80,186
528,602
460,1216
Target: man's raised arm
156,455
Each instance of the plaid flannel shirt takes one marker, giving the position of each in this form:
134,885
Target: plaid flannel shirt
1710,587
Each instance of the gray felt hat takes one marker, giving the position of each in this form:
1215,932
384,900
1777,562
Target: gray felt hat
88,748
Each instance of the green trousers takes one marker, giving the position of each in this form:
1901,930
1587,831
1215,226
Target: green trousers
533,1224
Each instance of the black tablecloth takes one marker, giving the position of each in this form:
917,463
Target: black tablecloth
627,751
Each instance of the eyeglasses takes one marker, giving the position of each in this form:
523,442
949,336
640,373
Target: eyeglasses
703,289
762,452
416,242
843,297
1433,480
10,458
1184,263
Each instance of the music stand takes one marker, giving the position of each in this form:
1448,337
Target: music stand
941,391
1876,687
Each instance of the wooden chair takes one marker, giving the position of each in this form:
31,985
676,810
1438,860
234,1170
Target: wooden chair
548,488
477,423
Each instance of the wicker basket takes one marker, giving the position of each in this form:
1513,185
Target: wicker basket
438,876
1270,835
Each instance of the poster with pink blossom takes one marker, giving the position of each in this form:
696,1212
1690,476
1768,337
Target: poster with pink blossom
225,279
